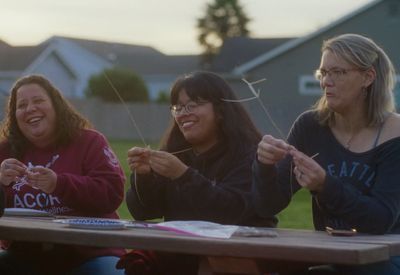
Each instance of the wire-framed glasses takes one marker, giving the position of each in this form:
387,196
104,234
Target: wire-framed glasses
334,74
188,108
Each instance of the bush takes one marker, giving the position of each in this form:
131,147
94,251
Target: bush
163,97
113,83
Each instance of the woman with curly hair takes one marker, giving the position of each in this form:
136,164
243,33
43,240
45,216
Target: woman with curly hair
52,161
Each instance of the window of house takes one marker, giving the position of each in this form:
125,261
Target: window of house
308,85
397,93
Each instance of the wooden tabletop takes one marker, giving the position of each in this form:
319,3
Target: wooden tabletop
289,245
392,241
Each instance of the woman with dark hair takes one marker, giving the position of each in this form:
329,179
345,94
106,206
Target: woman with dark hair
345,151
52,161
203,171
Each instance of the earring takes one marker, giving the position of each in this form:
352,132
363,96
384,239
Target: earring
364,90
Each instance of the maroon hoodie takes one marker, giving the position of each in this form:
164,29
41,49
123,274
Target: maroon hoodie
90,182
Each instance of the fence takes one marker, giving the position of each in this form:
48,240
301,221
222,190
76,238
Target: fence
152,119
114,120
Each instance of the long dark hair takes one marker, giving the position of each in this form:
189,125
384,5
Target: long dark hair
236,129
68,121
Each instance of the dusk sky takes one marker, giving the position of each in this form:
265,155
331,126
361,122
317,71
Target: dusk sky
169,26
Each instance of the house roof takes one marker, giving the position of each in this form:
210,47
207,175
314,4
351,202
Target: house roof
153,64
17,58
80,61
268,55
3,44
108,50
237,50
143,60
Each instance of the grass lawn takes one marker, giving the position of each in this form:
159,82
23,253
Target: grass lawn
297,215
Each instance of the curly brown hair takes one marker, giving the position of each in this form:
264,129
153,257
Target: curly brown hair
68,121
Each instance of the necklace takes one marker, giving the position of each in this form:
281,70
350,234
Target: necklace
351,139
375,141
348,143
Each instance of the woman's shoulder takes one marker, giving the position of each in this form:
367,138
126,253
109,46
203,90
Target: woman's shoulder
393,120
4,148
391,128
90,135
307,120
309,116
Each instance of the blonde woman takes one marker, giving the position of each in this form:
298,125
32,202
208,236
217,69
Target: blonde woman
345,151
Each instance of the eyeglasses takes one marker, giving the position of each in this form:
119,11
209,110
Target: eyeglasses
188,108
334,74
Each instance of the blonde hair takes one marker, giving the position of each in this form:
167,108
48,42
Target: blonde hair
364,54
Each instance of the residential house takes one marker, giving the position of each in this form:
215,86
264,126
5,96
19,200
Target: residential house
66,64
70,62
238,50
158,70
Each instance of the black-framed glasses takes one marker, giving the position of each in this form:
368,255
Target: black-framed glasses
188,108
334,74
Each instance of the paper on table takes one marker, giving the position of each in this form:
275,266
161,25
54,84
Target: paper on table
199,228
93,223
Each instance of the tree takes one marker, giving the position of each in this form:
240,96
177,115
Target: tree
163,97
117,81
223,19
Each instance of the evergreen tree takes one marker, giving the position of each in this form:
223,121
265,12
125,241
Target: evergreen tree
223,19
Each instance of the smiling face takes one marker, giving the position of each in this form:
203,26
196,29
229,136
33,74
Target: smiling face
343,91
35,114
199,127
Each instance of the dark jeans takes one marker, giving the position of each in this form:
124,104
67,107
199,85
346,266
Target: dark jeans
12,264
391,267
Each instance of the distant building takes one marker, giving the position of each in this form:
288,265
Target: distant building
70,62
65,63
236,51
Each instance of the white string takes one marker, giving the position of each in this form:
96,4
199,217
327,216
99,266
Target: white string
257,96
126,108
274,124
136,127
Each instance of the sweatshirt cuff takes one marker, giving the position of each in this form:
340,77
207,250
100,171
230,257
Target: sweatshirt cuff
60,186
264,170
185,176
328,193
140,185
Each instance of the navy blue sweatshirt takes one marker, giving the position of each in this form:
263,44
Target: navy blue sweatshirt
203,192
361,190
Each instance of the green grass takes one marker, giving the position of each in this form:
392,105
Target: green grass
296,215
120,148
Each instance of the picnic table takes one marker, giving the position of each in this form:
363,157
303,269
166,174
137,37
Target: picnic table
234,255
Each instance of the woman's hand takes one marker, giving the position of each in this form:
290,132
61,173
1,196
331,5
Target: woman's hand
42,178
166,164
11,170
138,160
308,172
271,150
